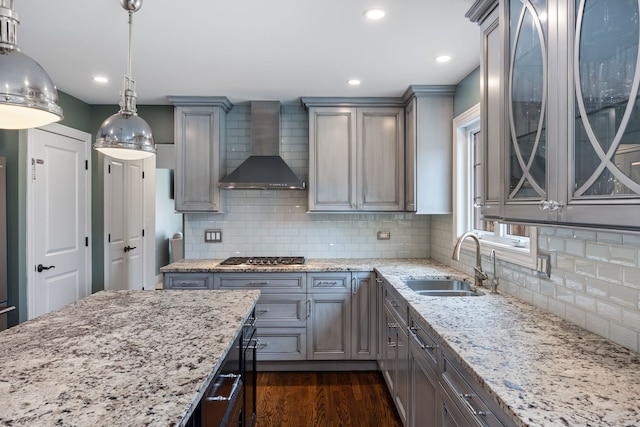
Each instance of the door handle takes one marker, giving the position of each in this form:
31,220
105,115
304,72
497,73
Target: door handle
40,268
129,248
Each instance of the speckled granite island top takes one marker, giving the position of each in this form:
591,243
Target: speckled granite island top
138,358
542,370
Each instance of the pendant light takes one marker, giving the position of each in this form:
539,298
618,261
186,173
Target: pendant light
28,97
125,135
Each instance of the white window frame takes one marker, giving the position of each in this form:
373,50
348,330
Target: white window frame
504,246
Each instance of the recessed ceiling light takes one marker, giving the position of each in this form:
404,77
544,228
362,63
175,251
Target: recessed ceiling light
374,14
354,82
443,58
100,79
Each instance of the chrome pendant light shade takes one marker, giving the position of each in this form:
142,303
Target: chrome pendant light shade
28,97
125,135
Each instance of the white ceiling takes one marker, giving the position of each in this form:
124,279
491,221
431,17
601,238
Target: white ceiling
248,49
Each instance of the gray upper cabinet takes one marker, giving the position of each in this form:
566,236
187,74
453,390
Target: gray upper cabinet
491,120
356,155
200,126
570,138
428,136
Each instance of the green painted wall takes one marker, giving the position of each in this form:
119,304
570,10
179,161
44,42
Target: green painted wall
76,115
467,93
82,116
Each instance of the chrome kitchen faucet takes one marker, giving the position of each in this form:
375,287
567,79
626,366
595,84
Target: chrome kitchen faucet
480,275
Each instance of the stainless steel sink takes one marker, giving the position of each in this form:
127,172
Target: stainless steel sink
441,287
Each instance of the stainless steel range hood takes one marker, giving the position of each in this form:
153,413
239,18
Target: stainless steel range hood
264,169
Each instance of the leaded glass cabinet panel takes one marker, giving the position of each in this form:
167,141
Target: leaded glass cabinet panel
527,92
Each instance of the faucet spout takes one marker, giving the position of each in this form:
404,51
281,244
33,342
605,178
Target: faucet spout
480,276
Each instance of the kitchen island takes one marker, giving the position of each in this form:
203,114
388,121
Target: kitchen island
539,369
119,358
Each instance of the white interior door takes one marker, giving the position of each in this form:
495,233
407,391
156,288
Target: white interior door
124,224
59,212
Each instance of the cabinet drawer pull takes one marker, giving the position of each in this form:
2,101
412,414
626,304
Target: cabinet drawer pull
421,344
327,283
466,398
261,345
254,344
392,302
189,284
232,392
264,283
262,311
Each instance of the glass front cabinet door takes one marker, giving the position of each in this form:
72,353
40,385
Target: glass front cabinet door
571,133
605,153
528,147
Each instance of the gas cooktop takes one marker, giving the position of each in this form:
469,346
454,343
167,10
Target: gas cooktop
264,260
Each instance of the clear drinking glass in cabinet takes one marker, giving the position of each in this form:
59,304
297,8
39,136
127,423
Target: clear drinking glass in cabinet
606,145
527,99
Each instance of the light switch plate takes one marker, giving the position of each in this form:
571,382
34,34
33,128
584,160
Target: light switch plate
384,235
543,266
213,236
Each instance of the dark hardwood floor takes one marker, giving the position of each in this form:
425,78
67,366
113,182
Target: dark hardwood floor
324,399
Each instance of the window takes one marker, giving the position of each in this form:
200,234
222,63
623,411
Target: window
512,242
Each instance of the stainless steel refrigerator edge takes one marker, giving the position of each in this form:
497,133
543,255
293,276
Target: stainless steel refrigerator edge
4,304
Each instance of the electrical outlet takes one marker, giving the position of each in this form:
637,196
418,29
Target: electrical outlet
213,236
384,235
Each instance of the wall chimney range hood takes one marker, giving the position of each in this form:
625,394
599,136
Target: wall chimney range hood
264,169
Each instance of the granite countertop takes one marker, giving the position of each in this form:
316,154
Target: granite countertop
118,358
542,370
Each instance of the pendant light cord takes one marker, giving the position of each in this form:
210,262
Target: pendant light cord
130,42
128,102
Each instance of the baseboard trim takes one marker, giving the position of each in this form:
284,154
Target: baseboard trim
318,365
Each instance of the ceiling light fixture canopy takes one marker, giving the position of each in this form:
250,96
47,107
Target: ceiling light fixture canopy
125,135
28,97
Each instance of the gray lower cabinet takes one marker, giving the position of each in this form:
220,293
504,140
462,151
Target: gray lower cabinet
341,322
396,355
281,312
188,281
472,401
423,376
363,316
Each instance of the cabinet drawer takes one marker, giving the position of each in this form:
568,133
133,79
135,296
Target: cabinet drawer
396,304
265,282
188,281
281,310
474,403
329,282
425,342
281,344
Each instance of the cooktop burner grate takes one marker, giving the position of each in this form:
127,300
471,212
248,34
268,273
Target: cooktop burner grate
264,260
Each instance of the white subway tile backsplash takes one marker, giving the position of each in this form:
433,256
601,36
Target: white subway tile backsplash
555,244
624,296
597,325
597,288
575,315
625,336
609,311
610,272
624,255
613,238
576,247
597,251
586,267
